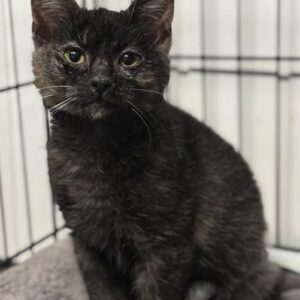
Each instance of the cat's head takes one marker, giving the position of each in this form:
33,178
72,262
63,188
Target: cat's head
91,62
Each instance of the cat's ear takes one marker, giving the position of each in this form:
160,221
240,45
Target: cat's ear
48,15
156,17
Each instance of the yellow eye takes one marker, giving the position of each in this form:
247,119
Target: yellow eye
130,59
75,56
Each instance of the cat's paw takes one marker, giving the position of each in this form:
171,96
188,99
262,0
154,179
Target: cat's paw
201,290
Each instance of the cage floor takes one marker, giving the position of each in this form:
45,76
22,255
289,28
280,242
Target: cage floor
53,274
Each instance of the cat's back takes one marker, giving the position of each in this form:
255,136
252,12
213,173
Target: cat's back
209,156
229,225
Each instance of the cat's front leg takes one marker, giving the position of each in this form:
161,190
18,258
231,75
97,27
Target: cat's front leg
201,290
163,277
98,278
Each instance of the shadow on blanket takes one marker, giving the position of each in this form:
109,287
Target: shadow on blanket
53,274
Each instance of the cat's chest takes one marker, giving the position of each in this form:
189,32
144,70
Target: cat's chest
86,169
99,197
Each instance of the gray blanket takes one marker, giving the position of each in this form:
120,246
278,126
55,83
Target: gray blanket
53,274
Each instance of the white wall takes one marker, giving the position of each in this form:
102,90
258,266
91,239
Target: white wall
263,113
212,97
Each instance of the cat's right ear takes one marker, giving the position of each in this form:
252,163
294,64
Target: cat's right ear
155,16
48,15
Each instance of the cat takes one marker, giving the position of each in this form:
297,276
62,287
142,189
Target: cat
160,206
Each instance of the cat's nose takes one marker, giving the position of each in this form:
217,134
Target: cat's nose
101,85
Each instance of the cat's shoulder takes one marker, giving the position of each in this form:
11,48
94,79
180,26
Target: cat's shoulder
194,126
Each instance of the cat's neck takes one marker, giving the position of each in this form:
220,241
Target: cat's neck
124,130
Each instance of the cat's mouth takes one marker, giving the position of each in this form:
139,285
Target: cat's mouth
97,109
101,107
83,103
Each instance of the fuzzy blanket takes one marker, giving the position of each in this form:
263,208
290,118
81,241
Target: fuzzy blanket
53,274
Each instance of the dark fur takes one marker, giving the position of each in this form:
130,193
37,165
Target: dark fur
155,199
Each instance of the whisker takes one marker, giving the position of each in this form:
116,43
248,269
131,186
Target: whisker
134,106
140,114
148,91
47,96
55,87
62,106
133,8
145,123
57,106
148,113
70,101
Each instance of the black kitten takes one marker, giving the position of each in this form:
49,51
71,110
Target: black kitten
157,202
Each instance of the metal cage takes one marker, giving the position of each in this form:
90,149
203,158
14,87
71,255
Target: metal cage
201,65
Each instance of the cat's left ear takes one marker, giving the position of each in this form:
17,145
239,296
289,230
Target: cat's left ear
155,16
48,15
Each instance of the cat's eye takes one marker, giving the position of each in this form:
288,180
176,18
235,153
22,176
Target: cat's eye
75,56
130,59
